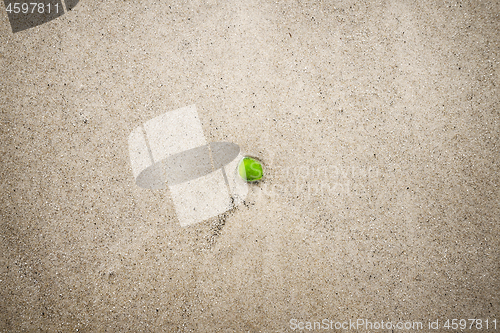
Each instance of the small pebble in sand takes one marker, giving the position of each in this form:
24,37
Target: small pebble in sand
250,169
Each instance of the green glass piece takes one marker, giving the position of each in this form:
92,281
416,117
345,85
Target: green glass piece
250,169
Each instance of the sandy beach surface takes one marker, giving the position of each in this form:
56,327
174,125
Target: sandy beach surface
378,127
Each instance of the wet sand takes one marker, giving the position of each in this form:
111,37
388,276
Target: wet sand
378,125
